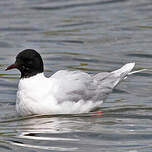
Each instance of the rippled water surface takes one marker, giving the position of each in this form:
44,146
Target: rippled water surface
89,35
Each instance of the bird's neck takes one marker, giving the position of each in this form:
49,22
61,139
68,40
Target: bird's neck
29,74
33,81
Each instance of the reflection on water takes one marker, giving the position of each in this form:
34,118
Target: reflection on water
92,36
84,132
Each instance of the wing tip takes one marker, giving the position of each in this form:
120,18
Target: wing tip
125,69
130,65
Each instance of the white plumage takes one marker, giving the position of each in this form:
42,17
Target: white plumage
67,92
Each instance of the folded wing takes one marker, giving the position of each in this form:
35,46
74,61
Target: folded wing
76,85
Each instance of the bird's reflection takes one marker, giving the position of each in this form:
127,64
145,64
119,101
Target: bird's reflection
58,132
55,124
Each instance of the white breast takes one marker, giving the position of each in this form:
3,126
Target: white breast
35,95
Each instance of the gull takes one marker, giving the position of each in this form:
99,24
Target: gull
65,92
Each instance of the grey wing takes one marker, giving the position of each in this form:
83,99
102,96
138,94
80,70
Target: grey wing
74,86
104,82
107,81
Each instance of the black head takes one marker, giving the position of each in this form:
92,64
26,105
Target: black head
28,62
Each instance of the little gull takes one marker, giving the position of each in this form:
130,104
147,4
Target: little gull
65,92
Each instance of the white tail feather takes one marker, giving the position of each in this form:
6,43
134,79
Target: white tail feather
120,74
125,69
130,73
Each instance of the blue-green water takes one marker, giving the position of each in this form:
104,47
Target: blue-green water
89,35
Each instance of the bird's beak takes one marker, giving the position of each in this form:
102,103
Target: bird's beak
13,66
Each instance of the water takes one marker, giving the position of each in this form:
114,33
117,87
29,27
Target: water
90,35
